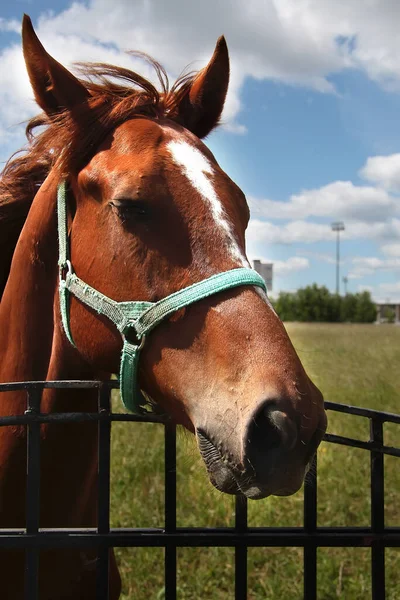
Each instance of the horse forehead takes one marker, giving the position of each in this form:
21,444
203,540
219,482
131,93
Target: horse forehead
143,147
143,132
187,150
145,139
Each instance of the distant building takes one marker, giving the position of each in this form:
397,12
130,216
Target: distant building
265,270
381,309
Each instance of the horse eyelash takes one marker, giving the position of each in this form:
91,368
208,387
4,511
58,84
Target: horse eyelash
128,208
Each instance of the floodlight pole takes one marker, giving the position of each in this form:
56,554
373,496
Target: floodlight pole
338,226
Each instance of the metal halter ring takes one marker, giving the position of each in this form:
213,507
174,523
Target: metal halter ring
140,343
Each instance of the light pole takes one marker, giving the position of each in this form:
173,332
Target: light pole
338,226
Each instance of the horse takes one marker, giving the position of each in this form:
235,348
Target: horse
149,214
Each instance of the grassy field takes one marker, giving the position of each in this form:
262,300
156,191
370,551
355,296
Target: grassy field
353,364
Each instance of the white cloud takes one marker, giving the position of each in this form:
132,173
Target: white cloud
391,249
265,232
295,231
363,266
314,37
320,256
384,292
384,171
390,288
377,263
292,264
9,25
365,288
338,200
286,267
254,31
369,213
300,42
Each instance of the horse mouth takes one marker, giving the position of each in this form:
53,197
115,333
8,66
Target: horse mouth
224,475
243,480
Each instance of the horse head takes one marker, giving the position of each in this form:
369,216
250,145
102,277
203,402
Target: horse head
150,213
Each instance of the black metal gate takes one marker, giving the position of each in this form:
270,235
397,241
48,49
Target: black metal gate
310,536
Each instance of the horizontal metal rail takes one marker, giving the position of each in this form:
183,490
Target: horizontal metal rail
200,537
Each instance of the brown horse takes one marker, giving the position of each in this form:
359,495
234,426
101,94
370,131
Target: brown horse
150,212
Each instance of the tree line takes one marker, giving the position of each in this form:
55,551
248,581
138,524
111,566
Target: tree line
314,303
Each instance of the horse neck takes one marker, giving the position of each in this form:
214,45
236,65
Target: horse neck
32,345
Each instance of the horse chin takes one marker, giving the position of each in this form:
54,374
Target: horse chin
224,477
229,479
225,480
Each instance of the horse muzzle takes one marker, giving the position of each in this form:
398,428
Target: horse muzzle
268,457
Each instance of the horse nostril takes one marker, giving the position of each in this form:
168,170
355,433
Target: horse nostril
271,429
286,426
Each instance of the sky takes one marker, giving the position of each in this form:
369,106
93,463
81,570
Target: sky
311,126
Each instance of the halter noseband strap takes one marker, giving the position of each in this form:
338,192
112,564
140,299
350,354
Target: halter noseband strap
133,317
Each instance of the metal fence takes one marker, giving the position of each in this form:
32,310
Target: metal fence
241,537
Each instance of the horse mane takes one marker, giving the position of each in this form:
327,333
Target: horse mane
68,140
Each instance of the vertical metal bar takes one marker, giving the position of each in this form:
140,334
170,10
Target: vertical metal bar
32,494
241,549
377,511
310,525
170,509
103,499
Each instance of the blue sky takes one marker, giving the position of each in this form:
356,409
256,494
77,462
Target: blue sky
311,128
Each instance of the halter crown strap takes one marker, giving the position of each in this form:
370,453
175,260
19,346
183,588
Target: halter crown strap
134,317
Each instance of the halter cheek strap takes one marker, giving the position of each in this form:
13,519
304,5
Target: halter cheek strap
134,317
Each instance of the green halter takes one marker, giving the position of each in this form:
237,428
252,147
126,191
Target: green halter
137,317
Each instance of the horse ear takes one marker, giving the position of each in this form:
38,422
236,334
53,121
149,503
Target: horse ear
201,107
54,86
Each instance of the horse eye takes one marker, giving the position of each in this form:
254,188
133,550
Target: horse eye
127,208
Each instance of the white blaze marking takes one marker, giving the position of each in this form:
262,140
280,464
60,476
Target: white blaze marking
196,168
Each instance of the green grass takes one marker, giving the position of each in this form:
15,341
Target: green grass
353,364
